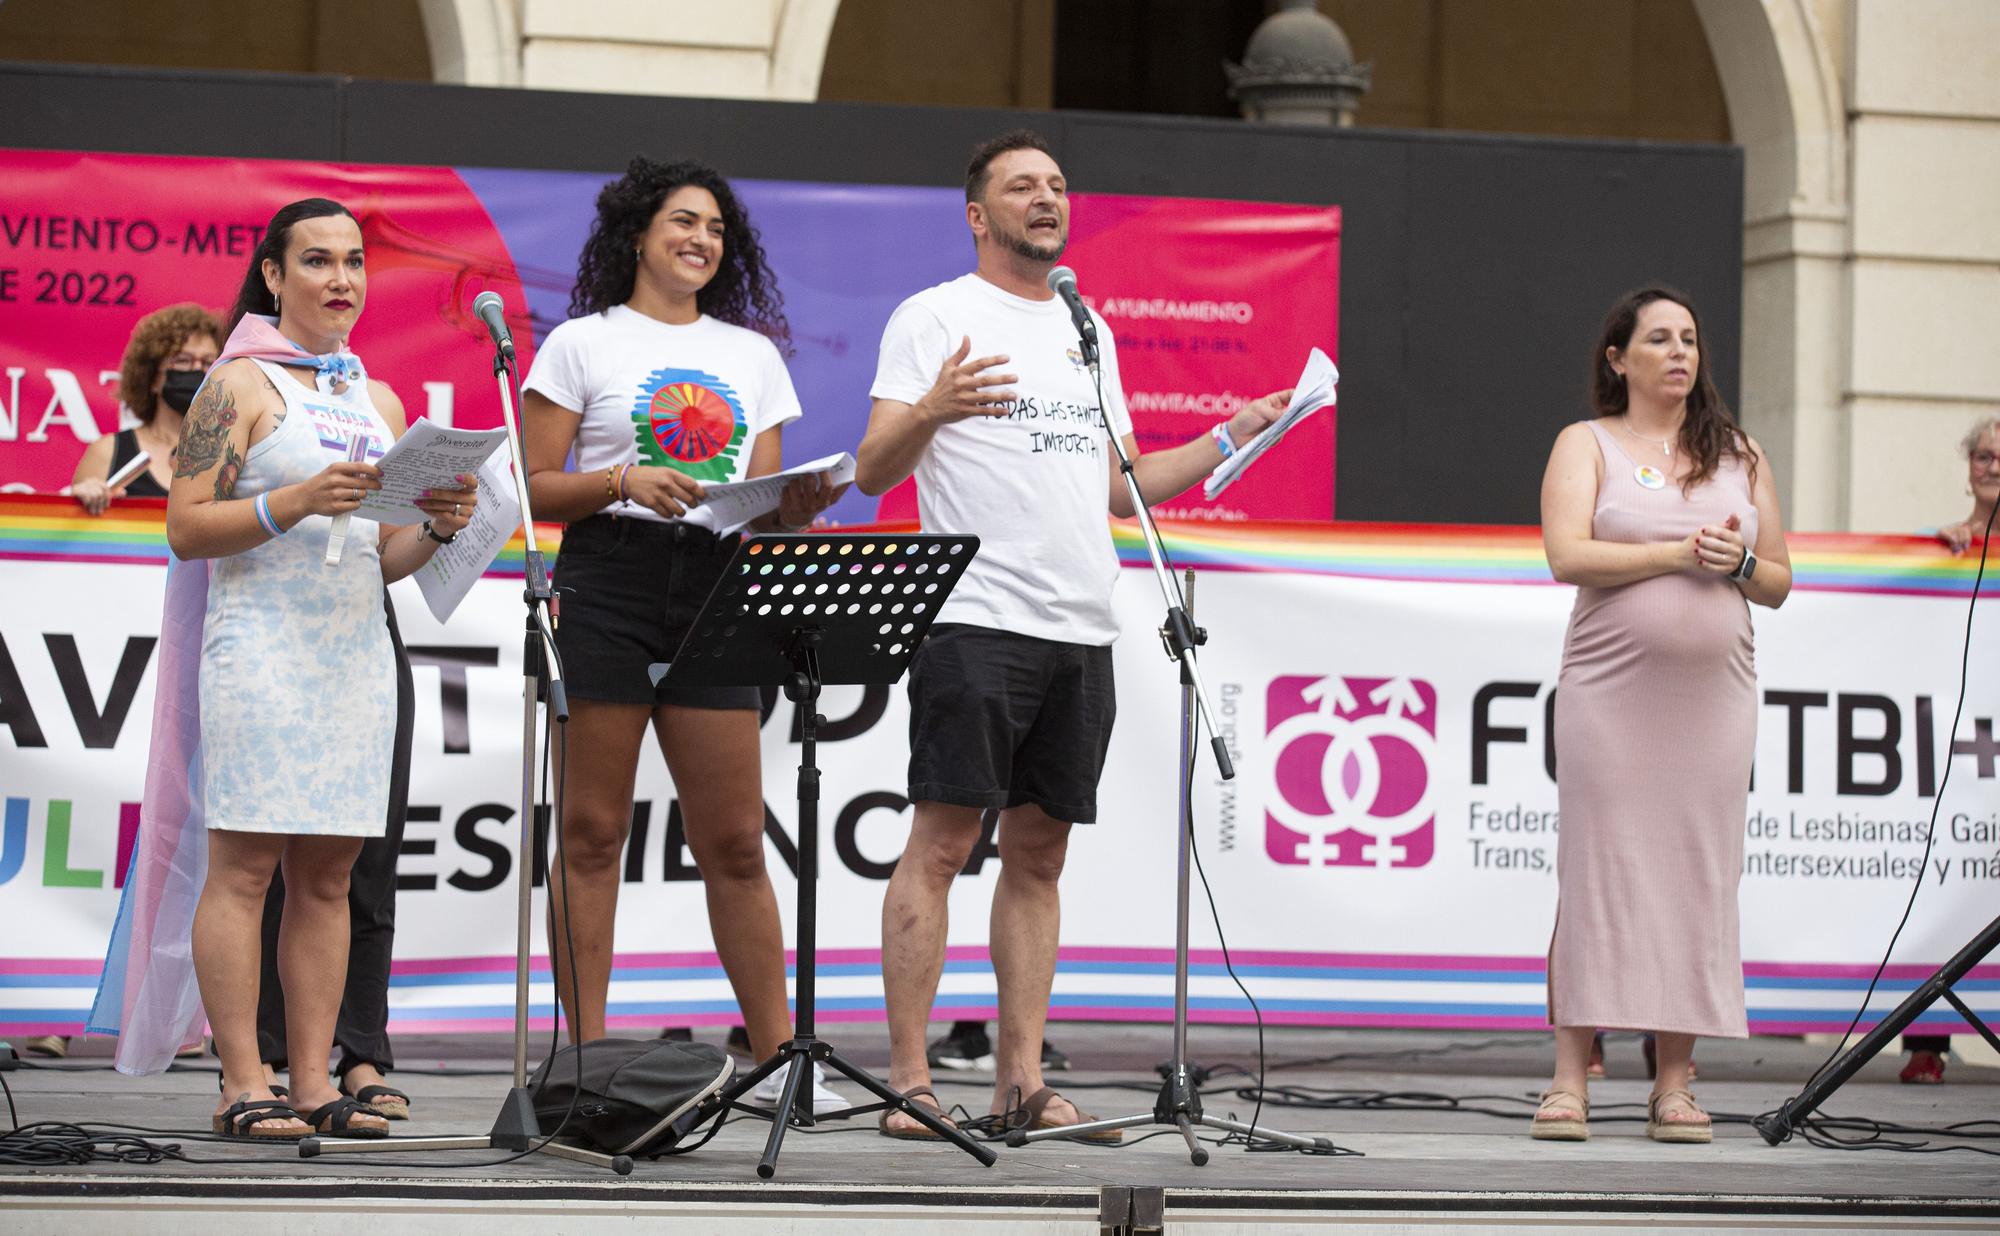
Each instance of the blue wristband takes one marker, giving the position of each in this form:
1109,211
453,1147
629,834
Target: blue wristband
263,508
1222,439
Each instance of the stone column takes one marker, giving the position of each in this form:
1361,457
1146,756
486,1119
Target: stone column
1923,355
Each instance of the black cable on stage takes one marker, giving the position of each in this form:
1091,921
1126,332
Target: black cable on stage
1822,1131
1930,835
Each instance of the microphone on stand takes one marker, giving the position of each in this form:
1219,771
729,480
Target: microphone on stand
487,308
1062,281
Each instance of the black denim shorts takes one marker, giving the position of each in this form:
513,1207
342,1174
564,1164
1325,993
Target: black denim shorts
629,589
999,719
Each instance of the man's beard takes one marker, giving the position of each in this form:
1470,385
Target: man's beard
1028,247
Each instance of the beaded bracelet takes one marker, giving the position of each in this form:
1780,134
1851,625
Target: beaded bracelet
610,491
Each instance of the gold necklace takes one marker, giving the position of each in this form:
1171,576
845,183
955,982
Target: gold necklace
1665,444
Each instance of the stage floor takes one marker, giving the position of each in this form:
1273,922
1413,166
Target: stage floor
1422,1167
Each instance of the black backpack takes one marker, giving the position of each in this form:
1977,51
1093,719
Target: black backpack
628,1096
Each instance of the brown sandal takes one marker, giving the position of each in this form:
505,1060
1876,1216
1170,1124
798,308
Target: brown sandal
923,1132
1662,1130
1035,1112
1550,1128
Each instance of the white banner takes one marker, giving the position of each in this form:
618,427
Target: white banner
1385,855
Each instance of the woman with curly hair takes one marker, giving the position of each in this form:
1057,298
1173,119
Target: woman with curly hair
162,368
1664,514
668,375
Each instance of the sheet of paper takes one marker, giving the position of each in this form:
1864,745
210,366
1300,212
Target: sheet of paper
1314,390
450,573
730,505
427,456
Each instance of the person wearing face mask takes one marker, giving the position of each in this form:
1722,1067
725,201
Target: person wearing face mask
669,373
1664,514
162,368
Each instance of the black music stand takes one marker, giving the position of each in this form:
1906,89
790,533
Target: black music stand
802,611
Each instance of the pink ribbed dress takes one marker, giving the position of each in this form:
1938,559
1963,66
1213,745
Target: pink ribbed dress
1656,724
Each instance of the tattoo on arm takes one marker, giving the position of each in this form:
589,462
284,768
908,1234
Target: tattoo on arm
225,476
207,433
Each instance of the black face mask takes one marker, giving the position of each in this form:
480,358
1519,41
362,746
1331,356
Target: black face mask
179,388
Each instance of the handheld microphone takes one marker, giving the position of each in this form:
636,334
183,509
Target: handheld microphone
1062,281
486,307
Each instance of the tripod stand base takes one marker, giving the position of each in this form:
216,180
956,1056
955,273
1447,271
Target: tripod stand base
795,1099
516,1128
1178,1107
1777,1127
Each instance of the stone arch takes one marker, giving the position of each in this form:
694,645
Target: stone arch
1787,110
482,43
474,42
1785,106
798,48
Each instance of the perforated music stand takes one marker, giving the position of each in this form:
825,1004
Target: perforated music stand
803,611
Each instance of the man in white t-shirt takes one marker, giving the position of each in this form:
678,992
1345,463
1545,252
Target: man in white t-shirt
982,392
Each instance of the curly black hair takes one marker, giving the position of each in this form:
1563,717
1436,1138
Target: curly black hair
744,292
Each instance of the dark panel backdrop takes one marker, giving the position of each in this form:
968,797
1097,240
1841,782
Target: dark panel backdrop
1474,269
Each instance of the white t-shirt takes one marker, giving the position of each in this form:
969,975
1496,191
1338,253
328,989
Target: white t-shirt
1034,486
693,398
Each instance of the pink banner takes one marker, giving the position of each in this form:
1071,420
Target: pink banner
90,243
1212,303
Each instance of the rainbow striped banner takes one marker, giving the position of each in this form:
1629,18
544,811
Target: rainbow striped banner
48,528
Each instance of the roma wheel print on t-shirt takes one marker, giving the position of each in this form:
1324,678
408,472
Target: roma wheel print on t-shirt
691,421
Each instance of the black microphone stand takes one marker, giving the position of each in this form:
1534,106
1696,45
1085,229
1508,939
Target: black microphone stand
516,1127
1178,1104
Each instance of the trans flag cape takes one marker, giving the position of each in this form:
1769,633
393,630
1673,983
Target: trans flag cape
147,995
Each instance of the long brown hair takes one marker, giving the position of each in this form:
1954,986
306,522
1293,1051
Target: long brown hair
1709,433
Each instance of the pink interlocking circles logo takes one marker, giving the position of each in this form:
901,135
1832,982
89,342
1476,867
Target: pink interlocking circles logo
1350,771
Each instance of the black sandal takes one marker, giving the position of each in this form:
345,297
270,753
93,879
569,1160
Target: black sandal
387,1102
336,1119
239,1123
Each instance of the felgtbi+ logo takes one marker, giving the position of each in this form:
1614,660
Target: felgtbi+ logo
1350,771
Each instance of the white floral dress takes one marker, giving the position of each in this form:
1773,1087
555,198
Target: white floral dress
298,678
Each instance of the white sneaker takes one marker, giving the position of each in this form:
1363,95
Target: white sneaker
825,1102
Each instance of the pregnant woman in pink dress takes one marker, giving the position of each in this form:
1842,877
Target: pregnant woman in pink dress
1664,515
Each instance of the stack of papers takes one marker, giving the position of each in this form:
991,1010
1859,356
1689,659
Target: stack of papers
729,505
1313,391
427,456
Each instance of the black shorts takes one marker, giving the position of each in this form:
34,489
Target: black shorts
629,589
998,720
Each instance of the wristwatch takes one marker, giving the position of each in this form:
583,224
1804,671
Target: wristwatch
1746,568
432,534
